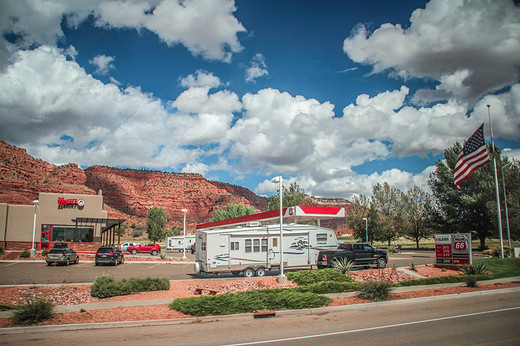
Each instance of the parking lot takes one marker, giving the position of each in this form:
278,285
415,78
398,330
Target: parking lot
144,265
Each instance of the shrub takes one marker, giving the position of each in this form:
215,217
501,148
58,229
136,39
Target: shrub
329,287
441,280
45,253
471,281
105,286
343,265
412,267
374,290
249,301
474,269
2,251
33,312
306,277
25,254
137,233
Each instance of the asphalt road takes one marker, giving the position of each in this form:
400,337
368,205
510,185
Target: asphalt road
32,272
488,317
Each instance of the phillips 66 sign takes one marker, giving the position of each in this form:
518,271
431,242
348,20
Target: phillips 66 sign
454,249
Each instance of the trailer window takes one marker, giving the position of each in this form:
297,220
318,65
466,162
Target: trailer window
264,245
256,245
321,237
234,245
275,242
248,245
203,246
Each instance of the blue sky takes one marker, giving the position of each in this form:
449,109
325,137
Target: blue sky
335,95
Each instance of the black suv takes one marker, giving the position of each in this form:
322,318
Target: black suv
60,253
109,254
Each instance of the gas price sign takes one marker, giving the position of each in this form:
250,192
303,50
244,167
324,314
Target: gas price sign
453,249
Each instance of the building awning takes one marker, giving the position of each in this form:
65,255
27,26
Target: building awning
107,232
290,215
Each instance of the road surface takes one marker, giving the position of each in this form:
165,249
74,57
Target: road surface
489,317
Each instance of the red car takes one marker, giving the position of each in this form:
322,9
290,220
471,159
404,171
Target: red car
151,248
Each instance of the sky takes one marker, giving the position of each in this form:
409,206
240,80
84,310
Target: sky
334,95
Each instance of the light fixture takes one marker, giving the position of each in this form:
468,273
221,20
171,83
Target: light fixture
184,241
279,180
33,250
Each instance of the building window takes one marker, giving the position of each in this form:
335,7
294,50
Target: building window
248,245
72,234
234,245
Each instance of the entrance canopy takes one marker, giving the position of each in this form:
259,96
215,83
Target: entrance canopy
107,232
290,215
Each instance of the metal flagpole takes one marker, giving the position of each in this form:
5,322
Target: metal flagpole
496,186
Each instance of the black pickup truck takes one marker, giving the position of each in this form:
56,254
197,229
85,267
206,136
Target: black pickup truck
360,254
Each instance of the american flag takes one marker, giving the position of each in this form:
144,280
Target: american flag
473,156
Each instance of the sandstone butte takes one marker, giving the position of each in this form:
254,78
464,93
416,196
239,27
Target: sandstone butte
128,193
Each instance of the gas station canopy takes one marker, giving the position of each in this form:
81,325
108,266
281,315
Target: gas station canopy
290,215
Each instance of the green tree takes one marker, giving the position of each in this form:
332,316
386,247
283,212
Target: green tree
233,210
419,215
473,208
156,224
388,202
292,196
360,208
176,230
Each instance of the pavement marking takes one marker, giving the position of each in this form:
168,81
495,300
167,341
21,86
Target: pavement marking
155,265
11,264
380,327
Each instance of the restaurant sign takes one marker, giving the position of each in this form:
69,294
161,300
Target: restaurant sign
453,249
69,203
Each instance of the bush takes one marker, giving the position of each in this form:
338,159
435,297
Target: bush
45,253
33,312
249,301
471,281
105,286
329,287
307,277
474,269
2,251
137,233
374,290
441,280
25,254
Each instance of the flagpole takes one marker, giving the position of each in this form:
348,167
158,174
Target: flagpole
496,186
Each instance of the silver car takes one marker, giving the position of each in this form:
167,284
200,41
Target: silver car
62,256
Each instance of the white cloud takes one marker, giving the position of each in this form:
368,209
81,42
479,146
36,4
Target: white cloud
205,27
103,64
257,68
470,47
200,79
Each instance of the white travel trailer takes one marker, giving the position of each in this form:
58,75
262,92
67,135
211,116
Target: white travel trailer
177,242
254,249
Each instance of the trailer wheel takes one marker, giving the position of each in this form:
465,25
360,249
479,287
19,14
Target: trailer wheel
260,272
381,262
249,272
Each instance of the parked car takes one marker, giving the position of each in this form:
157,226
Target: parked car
360,254
62,254
151,248
125,246
109,254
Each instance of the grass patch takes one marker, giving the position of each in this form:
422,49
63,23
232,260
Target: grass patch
441,280
501,267
329,287
7,307
249,301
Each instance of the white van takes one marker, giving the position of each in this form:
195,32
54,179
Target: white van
252,250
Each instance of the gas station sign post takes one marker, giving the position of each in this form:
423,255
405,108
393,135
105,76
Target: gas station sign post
453,249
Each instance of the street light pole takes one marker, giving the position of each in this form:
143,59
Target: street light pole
279,180
184,241
505,205
366,228
33,250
